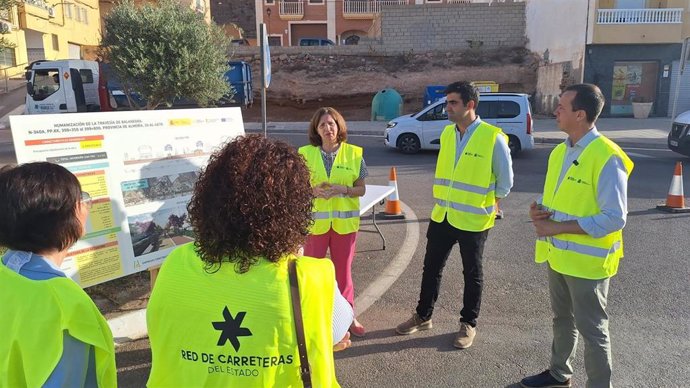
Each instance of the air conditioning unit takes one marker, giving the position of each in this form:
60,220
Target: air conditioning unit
51,12
5,27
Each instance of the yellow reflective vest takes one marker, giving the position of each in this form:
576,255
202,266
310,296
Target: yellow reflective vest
580,255
464,192
342,212
33,318
225,329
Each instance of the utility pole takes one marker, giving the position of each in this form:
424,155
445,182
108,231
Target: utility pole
683,59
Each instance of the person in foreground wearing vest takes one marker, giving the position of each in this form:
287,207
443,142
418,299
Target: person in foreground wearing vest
473,172
53,335
579,221
220,313
337,177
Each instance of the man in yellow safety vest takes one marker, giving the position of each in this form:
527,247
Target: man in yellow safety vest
473,172
579,221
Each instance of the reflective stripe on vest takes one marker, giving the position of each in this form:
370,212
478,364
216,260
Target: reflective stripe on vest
465,191
580,255
584,249
466,186
465,208
29,351
243,322
339,212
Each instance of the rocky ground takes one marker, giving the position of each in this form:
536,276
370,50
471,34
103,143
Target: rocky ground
121,295
303,82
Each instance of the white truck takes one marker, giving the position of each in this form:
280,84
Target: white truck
75,85
67,86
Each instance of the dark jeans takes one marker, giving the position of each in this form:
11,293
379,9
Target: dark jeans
441,237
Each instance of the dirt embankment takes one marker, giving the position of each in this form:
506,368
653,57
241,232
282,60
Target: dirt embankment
303,82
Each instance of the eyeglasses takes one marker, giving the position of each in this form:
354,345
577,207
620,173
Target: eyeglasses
86,199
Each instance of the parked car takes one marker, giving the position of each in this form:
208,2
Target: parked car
679,136
422,130
315,42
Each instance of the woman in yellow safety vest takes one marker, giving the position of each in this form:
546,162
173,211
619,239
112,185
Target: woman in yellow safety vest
51,332
220,313
337,178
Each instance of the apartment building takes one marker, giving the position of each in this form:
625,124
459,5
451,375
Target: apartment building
42,30
341,21
633,53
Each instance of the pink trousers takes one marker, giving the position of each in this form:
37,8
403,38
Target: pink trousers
342,248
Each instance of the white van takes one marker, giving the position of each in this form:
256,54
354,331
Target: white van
422,130
65,86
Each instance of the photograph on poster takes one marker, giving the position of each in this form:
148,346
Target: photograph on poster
139,191
160,230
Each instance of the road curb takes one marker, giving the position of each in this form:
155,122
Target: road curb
621,143
13,87
395,268
129,327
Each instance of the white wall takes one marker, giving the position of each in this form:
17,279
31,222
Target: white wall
559,26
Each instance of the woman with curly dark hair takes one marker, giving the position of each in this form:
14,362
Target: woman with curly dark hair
220,312
51,332
337,178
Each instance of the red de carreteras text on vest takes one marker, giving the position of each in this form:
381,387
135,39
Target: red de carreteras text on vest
230,364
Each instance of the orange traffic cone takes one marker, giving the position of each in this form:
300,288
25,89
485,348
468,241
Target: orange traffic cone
675,200
393,209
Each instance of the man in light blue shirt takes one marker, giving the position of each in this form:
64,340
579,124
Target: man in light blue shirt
578,280
461,228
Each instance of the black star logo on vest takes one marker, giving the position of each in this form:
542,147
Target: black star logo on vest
231,328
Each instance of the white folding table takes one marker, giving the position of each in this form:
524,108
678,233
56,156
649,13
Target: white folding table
374,195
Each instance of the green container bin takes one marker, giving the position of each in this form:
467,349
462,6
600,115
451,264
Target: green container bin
386,105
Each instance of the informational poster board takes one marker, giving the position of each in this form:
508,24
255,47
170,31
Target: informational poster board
139,168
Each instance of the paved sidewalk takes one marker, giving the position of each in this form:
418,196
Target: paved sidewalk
9,85
627,132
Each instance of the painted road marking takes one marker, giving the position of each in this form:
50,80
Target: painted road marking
396,267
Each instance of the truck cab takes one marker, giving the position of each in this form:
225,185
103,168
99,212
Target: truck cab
65,86
73,85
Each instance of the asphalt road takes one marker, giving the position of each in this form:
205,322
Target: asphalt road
648,300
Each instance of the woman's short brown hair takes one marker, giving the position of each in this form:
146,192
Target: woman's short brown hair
314,138
252,200
38,208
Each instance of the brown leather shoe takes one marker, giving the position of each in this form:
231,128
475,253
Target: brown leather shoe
413,325
465,336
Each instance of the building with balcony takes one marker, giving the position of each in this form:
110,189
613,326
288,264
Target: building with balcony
633,53
47,30
342,21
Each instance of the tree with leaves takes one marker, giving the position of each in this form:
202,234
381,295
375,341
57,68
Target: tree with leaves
163,51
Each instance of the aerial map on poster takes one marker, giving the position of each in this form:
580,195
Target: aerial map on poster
139,168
